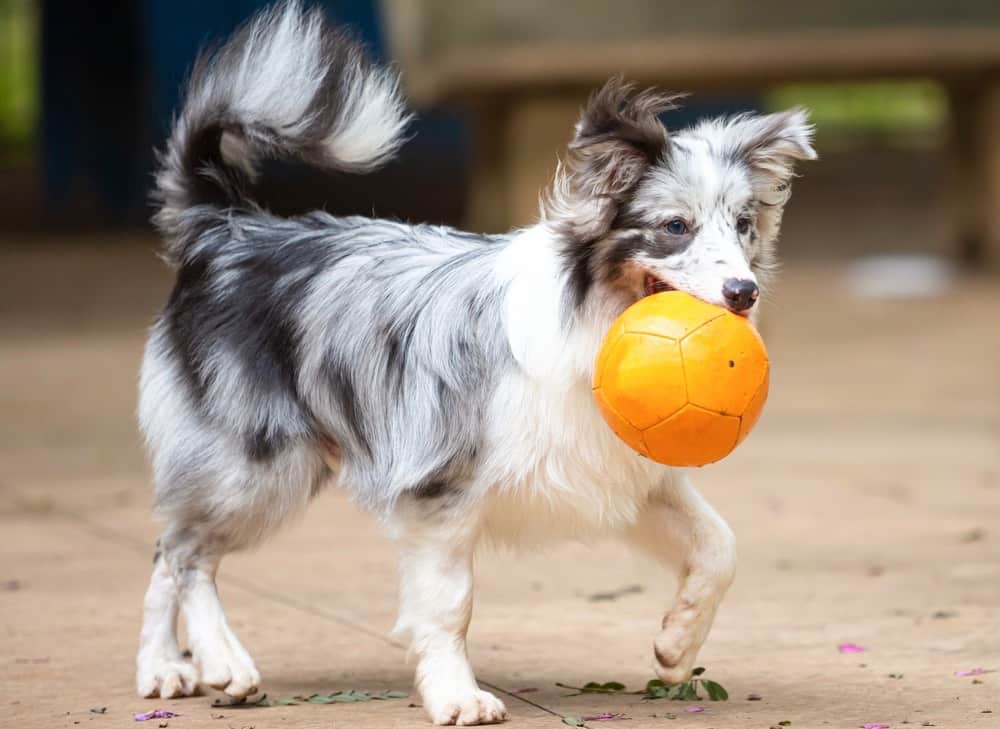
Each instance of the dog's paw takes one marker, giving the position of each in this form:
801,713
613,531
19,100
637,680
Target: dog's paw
229,671
477,707
167,679
676,651
671,674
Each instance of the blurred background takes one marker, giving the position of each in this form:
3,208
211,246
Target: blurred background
866,501
903,94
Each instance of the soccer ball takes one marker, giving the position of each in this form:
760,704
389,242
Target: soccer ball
681,381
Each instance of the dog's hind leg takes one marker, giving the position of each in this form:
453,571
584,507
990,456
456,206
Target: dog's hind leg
226,503
184,581
161,670
680,528
223,661
436,542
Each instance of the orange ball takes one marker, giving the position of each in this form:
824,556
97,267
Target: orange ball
681,381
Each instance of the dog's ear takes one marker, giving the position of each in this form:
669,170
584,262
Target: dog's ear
770,145
619,136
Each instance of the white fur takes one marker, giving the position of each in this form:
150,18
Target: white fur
224,662
161,670
558,469
377,114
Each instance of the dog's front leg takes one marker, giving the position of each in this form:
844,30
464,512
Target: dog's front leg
679,527
436,544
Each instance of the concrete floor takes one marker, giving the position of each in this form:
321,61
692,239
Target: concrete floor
867,505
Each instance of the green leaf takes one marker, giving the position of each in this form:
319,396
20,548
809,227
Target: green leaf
715,691
655,683
698,671
689,692
573,720
396,694
593,687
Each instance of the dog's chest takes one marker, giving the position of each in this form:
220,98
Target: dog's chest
555,468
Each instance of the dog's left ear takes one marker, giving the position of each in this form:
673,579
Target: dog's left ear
770,145
619,136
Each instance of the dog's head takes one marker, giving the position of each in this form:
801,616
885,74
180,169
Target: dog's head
643,210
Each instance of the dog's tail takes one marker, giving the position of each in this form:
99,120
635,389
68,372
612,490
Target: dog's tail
285,85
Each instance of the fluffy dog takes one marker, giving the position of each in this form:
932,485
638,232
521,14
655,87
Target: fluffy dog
441,377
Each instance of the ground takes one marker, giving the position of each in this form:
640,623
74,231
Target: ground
866,505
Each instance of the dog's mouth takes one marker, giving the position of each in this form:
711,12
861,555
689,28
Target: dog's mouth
653,285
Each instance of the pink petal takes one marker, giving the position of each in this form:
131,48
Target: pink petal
875,726
695,709
156,714
974,672
850,648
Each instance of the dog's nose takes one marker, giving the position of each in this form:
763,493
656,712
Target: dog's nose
739,293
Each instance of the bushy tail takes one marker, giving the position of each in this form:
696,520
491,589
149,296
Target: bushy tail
285,85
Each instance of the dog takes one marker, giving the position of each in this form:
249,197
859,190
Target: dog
442,378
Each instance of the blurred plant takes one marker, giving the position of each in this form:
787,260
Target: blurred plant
897,111
19,66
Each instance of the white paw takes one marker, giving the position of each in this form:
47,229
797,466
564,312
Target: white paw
167,679
676,650
228,669
476,707
671,675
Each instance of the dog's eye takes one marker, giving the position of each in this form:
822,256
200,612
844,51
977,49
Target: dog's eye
743,226
677,227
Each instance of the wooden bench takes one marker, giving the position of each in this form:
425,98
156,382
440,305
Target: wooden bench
523,67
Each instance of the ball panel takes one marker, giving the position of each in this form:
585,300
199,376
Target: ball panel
621,427
752,412
613,335
669,314
725,362
692,437
643,379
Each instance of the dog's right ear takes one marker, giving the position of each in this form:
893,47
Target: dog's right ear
619,136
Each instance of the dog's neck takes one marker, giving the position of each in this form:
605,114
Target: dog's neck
550,338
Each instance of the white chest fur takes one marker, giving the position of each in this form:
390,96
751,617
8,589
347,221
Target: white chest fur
554,467
557,469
